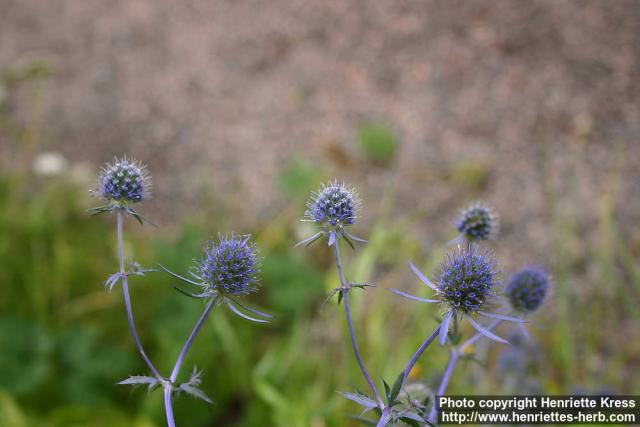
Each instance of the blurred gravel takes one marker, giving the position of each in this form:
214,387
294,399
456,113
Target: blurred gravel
216,96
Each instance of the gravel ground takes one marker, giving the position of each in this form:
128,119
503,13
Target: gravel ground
217,95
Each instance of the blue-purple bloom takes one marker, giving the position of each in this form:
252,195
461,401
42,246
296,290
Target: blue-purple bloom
527,289
230,266
467,279
124,181
228,269
466,285
333,208
477,222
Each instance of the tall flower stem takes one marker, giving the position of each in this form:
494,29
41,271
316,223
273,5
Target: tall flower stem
168,389
345,288
385,416
127,297
453,362
168,405
418,353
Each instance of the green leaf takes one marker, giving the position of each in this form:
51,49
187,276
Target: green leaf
344,236
387,391
395,390
100,209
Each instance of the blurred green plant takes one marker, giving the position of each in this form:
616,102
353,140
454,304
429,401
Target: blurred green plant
471,174
378,143
299,177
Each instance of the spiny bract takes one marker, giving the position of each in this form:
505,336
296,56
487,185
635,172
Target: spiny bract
467,279
124,181
230,266
334,206
477,222
527,289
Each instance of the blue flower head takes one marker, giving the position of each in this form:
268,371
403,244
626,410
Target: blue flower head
467,280
228,269
230,266
334,206
466,286
124,181
527,289
477,222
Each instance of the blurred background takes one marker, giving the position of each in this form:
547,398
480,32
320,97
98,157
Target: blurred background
240,109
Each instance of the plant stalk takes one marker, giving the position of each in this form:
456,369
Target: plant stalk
347,307
453,361
127,297
418,353
168,390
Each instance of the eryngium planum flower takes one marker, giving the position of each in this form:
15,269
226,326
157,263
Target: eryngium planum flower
124,181
467,279
230,266
466,285
334,206
527,289
477,222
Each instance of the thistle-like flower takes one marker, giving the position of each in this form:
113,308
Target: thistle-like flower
477,222
122,183
228,269
466,285
230,266
527,289
333,208
467,280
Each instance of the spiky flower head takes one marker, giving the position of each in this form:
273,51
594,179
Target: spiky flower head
477,222
230,266
334,206
467,279
527,289
124,181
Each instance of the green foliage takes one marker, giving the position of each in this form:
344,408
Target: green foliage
299,178
24,361
378,143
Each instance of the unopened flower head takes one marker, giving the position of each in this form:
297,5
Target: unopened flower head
477,222
124,181
334,206
527,289
467,279
230,266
